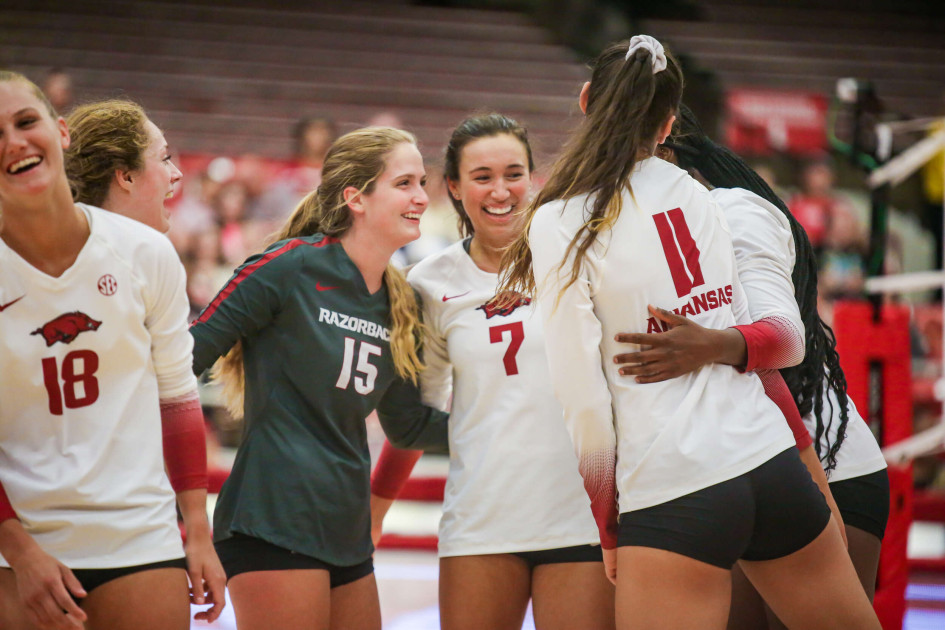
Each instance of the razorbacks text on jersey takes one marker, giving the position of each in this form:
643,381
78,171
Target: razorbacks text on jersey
513,483
85,359
317,361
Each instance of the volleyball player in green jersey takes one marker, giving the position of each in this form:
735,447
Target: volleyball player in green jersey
325,330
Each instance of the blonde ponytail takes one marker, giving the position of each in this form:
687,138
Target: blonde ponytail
406,327
228,371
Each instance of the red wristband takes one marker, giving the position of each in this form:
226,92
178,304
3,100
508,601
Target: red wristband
392,470
773,343
185,442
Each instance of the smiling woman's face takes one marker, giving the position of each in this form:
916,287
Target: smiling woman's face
152,184
31,144
494,182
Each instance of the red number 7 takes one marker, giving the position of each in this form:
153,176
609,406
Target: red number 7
517,334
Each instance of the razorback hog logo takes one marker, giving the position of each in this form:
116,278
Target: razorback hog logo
66,327
503,307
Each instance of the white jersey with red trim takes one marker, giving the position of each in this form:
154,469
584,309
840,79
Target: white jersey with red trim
669,247
764,252
84,359
513,483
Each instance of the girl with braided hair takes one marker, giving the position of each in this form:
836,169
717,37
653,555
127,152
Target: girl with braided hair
705,465
848,451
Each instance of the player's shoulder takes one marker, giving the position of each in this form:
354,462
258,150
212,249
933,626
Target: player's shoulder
313,245
316,250
745,207
438,267
655,183
112,225
128,238
560,216
657,173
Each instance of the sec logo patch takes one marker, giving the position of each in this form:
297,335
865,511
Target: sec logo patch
107,285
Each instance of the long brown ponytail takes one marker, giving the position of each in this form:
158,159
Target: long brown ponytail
627,105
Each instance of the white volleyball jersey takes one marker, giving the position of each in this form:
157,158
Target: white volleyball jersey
859,453
84,359
513,482
764,255
669,247
764,252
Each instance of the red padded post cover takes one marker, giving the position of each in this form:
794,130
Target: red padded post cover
860,341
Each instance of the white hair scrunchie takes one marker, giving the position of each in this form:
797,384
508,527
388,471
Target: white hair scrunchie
652,44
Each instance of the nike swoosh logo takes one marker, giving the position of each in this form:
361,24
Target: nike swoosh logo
8,304
322,287
450,297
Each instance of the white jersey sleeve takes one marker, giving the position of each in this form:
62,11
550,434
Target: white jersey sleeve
574,335
764,253
436,379
165,297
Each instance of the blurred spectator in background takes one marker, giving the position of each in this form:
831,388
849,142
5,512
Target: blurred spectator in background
842,256
57,86
766,173
272,198
813,206
440,219
206,269
933,185
193,215
933,173
229,205
312,138
385,118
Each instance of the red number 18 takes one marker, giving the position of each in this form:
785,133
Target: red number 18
71,379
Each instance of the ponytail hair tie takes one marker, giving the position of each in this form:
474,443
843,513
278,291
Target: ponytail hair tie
645,42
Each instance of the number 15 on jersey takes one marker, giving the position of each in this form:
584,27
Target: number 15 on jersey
366,372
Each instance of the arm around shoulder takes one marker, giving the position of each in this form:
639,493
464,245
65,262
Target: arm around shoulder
408,422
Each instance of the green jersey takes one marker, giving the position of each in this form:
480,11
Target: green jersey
317,361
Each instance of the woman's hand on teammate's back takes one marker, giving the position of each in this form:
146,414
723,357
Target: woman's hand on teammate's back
684,347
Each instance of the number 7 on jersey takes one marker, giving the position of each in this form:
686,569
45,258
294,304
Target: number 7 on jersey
516,336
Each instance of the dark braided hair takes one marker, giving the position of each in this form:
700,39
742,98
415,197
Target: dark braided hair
724,169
